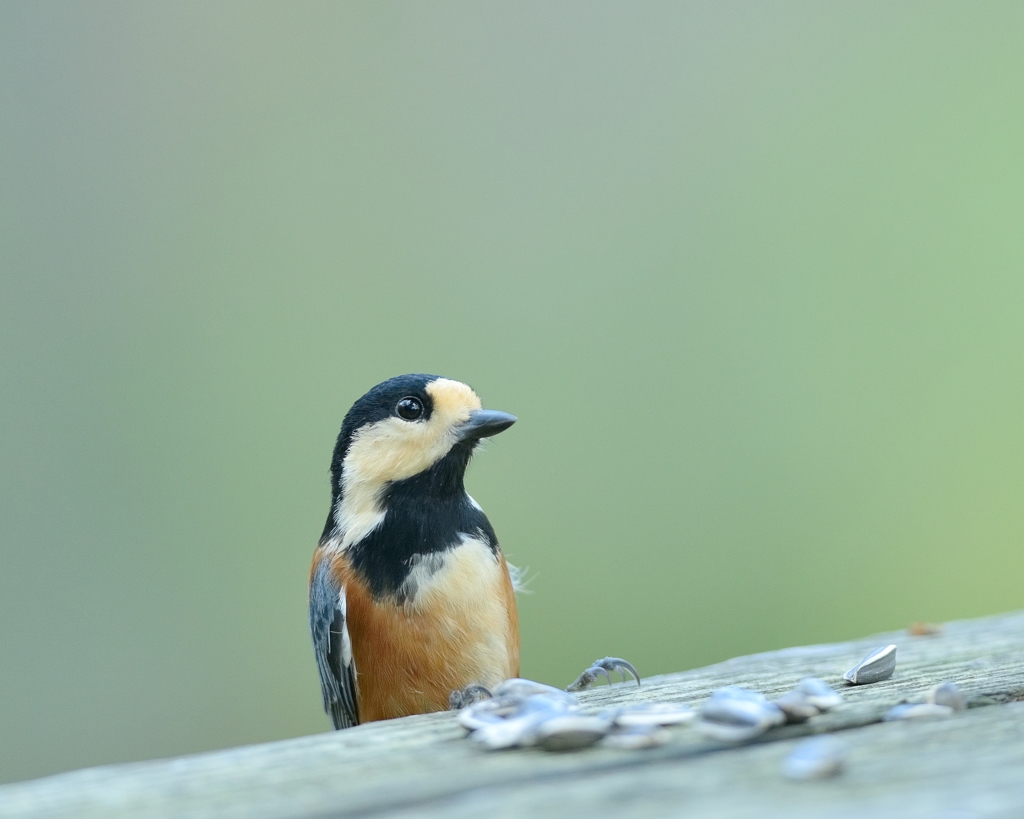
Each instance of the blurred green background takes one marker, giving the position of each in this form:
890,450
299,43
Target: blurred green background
749,274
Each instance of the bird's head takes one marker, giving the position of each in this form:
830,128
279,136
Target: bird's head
417,426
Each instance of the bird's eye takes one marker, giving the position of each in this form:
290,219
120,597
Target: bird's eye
410,408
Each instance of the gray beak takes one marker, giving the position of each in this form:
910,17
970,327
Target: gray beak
485,423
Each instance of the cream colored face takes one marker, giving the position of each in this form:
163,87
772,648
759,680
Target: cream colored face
395,449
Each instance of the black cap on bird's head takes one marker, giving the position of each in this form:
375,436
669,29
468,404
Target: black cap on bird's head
406,426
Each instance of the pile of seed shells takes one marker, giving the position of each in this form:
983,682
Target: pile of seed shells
734,714
522,713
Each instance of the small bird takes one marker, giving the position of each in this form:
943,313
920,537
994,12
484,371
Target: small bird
410,597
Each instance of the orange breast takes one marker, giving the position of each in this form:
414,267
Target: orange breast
460,628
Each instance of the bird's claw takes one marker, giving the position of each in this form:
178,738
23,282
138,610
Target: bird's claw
471,694
602,668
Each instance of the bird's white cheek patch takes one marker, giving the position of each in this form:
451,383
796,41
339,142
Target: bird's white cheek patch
388,450
392,450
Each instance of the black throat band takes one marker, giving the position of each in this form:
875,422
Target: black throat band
426,514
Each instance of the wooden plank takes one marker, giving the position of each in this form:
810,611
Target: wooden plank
967,767
423,766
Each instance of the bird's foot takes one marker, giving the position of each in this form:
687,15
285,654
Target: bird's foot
601,668
472,693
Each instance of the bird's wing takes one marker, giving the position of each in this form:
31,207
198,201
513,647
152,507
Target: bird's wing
332,646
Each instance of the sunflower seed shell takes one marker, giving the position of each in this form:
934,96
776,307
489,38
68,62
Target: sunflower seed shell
797,706
875,667
819,693
948,694
921,710
518,687
570,732
654,714
733,715
636,738
815,758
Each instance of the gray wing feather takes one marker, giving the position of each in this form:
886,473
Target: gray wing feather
332,647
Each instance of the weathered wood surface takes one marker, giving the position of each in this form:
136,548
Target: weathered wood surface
970,765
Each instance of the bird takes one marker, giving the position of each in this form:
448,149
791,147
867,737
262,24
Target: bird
411,600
